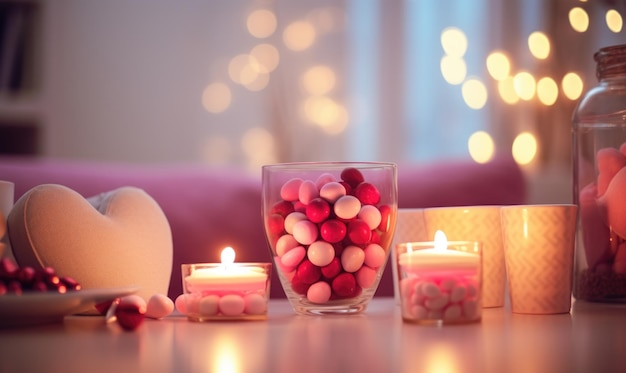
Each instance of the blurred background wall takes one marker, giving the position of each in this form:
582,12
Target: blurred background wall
242,83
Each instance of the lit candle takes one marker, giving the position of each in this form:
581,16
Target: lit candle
439,284
228,276
226,289
439,258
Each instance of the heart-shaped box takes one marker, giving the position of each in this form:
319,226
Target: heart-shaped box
116,239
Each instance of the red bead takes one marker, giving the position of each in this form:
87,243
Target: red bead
352,176
359,232
275,224
103,307
333,230
129,316
318,210
385,214
308,272
339,246
344,285
26,275
331,270
376,237
8,268
367,193
282,208
299,206
349,188
298,286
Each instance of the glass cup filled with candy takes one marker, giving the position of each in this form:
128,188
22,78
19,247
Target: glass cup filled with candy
329,226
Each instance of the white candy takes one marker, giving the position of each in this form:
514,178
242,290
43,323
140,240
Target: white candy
208,306
305,232
255,304
321,253
159,306
292,219
307,191
347,207
285,243
332,191
352,258
324,178
231,305
289,191
370,214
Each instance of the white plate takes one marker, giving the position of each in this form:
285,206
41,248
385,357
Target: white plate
41,308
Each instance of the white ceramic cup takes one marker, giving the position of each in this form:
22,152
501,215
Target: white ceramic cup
481,224
539,254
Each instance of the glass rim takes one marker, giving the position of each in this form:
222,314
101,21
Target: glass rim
324,164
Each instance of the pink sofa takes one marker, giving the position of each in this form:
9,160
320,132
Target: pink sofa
211,208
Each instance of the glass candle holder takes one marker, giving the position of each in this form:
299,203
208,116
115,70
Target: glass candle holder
440,285
238,291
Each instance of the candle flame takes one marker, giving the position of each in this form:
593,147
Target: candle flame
441,241
228,256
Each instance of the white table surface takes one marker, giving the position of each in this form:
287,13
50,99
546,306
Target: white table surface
592,338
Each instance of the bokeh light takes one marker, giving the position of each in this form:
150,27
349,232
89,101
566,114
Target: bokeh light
453,69
454,42
524,148
299,35
547,91
539,45
324,112
506,89
243,69
266,56
498,65
572,86
524,84
474,93
216,97
318,80
614,20
579,19
481,147
261,23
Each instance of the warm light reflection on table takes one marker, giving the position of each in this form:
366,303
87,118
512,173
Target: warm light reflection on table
590,339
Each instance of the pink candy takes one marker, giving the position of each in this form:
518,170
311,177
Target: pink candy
449,299
225,305
330,244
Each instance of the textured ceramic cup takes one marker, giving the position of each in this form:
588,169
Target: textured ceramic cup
475,223
539,255
329,226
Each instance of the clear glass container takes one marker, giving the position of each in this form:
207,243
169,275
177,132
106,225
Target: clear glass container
599,172
329,226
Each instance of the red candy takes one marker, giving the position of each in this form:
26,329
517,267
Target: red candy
275,224
331,270
282,208
129,316
359,232
308,272
352,176
344,285
367,193
333,230
317,210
